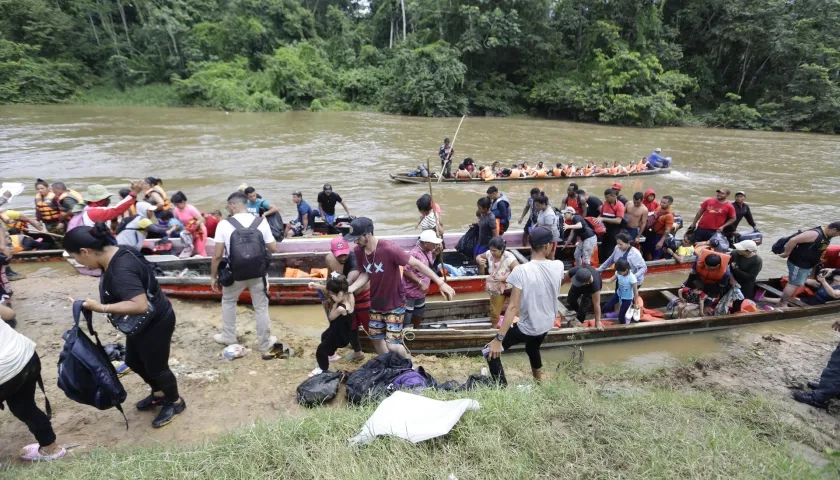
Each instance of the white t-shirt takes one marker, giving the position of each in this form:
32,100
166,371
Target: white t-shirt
15,352
225,229
540,284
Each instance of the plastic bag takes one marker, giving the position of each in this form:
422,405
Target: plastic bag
232,352
319,389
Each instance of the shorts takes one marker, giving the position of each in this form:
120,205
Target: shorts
387,326
362,312
797,275
328,218
414,307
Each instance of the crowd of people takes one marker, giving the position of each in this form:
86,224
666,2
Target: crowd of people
377,287
468,169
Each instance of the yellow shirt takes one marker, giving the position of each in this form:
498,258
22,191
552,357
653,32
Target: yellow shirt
12,214
685,251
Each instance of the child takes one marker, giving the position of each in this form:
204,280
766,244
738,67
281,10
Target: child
341,307
167,219
691,299
626,292
499,263
679,253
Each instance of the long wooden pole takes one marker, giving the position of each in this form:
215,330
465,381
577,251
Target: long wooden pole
437,217
452,146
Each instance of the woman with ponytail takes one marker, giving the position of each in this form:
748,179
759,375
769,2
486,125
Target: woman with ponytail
129,291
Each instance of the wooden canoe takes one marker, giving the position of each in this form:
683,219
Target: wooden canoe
468,331
404,178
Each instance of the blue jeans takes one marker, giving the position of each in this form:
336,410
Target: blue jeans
622,310
330,219
650,247
830,378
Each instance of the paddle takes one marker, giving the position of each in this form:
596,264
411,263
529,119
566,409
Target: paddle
452,149
432,200
46,233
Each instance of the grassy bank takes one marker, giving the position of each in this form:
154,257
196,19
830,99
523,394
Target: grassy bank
590,425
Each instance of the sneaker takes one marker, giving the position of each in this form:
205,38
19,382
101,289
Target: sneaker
149,403
334,358
316,371
809,399
219,338
32,453
123,370
12,275
355,357
168,412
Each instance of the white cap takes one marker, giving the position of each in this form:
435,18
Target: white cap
658,150
430,236
569,210
746,245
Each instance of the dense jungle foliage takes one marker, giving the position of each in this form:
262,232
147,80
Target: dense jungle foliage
763,64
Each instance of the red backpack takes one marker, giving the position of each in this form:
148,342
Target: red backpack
597,226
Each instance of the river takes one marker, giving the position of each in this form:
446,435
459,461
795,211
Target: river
791,179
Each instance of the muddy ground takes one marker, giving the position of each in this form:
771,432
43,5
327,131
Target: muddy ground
222,395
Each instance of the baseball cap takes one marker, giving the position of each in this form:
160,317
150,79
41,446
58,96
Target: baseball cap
339,247
430,236
540,236
658,150
327,186
723,190
740,192
569,210
358,227
582,276
746,246
616,186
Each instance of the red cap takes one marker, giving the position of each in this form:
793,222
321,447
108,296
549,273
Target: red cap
616,186
339,247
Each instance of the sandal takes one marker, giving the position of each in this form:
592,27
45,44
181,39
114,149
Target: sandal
32,453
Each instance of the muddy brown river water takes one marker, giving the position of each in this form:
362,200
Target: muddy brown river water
791,180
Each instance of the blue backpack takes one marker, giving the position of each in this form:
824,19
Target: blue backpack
84,372
414,380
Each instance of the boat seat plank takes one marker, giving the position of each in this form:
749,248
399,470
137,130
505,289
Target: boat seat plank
779,294
670,296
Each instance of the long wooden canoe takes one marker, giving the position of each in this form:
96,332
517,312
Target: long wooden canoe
404,178
468,331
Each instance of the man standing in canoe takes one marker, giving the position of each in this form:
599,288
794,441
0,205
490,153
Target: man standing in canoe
612,215
714,215
327,200
536,285
804,252
500,208
379,262
445,153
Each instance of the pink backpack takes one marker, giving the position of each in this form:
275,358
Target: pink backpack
78,220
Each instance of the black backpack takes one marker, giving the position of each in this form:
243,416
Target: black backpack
84,372
248,256
124,223
779,247
319,389
466,245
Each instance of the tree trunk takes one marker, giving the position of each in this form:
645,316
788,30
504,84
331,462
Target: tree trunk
403,12
125,25
391,41
174,43
113,32
744,68
93,27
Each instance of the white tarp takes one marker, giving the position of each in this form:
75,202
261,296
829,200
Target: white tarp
413,418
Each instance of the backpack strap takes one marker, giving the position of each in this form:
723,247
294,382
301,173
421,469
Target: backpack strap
256,223
235,223
46,400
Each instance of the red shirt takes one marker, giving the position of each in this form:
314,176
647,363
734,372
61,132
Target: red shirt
616,210
383,265
211,223
715,214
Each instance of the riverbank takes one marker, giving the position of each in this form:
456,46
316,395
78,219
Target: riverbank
724,415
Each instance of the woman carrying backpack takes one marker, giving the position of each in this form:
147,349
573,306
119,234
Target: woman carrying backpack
135,305
20,373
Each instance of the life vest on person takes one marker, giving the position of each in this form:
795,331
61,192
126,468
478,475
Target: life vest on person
613,170
17,247
575,202
631,168
46,208
557,172
642,165
708,275
540,174
597,226
568,171
588,171
515,173
159,191
495,206
10,224
71,193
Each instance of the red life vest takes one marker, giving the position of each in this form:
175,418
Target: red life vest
708,275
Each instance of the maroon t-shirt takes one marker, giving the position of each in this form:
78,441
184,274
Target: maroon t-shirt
383,266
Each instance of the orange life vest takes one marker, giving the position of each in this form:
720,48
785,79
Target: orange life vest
72,193
557,172
642,166
160,192
515,173
16,246
10,224
541,174
568,171
587,171
708,275
46,208
631,168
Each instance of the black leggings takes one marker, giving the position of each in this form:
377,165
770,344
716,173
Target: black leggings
336,336
147,353
19,395
513,337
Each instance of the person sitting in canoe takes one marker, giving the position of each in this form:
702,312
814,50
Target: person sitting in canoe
469,165
691,298
826,286
658,161
679,252
712,269
462,173
617,169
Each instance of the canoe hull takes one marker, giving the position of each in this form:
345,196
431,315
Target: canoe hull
402,178
461,338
